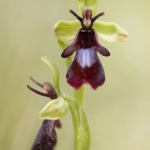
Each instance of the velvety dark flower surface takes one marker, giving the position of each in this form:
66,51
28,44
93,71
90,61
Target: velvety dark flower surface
46,138
86,66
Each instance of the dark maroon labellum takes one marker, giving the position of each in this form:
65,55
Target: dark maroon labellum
86,66
46,138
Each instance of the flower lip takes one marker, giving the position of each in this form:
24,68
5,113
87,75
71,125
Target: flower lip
86,66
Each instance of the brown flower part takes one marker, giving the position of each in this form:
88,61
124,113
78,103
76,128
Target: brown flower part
46,138
47,87
86,66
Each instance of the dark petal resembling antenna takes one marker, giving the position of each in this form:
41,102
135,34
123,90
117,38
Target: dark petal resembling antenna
97,16
37,92
47,87
92,19
78,17
39,84
86,16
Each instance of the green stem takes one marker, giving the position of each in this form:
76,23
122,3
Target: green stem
81,127
79,95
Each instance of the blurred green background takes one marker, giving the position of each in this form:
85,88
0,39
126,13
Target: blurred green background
118,112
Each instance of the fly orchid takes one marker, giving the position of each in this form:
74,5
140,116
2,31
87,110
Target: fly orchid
86,66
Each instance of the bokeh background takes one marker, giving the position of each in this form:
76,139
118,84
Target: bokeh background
118,112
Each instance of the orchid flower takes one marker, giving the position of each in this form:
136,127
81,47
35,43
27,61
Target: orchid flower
86,66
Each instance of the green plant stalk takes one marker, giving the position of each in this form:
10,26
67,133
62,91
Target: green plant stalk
79,95
81,127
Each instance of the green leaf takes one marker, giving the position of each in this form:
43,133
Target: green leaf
81,127
93,4
55,109
63,46
66,30
110,32
54,71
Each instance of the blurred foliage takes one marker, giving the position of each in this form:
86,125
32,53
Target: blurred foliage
118,112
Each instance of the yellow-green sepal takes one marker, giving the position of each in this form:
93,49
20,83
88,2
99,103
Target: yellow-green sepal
54,71
66,30
55,109
110,32
92,4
